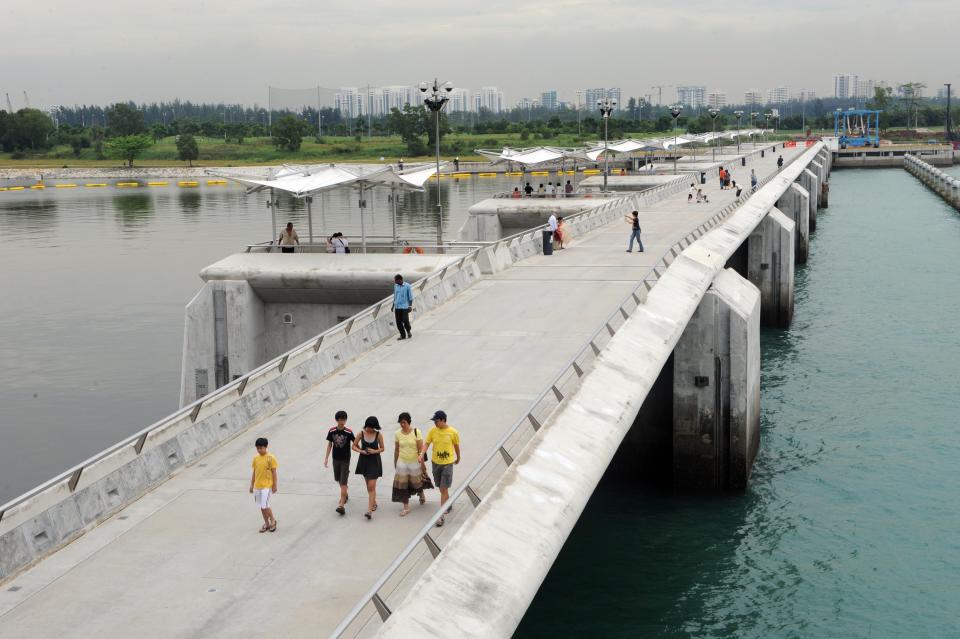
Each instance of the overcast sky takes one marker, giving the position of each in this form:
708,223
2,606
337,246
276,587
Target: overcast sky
216,50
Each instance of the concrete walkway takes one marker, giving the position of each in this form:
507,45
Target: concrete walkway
186,560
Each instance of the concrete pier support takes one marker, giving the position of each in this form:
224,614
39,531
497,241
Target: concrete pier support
770,267
809,181
821,174
795,204
716,388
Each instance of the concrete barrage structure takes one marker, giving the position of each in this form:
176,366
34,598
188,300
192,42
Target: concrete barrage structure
679,334
943,184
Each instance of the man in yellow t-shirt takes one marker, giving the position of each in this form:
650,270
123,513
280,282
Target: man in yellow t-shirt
263,483
446,453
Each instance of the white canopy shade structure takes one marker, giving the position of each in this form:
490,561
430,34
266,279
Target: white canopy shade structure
304,181
525,157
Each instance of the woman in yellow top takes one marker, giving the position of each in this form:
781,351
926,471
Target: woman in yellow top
409,467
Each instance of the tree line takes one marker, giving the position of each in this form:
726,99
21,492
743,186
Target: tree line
126,130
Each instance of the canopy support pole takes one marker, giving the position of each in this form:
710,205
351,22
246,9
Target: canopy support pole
323,216
310,218
393,199
363,231
273,217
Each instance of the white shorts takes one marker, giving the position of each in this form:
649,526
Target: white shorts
262,497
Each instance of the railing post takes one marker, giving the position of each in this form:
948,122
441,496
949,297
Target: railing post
381,607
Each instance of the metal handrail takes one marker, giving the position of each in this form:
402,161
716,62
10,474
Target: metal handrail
499,449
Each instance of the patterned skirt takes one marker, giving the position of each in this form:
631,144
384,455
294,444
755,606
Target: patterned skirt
406,481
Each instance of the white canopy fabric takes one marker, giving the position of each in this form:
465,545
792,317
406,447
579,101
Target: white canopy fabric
301,181
530,156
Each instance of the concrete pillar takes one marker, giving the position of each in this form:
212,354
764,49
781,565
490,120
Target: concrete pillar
795,204
809,181
818,170
770,267
716,388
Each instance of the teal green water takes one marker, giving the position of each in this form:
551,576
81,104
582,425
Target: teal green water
851,525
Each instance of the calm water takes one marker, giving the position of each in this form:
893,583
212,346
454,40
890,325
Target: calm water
850,527
93,282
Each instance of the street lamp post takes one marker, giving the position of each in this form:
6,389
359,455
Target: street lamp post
738,115
766,126
435,101
753,114
714,112
675,111
606,107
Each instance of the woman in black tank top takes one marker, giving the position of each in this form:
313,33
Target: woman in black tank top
369,445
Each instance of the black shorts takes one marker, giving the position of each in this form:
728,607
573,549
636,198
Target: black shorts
341,471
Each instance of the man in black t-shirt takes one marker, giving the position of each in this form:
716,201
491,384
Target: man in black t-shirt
339,440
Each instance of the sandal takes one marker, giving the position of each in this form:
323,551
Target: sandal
374,508
404,512
273,528
440,522
368,515
423,498
265,528
341,510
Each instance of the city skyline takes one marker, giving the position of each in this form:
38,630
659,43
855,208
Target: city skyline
68,53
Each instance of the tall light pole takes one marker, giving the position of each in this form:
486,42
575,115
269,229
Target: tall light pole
766,127
753,114
436,99
714,112
949,134
675,111
606,107
579,107
738,115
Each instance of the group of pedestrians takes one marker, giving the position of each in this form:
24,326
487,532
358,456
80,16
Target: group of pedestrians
551,189
289,241
410,451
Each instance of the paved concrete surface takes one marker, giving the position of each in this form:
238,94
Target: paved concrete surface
186,560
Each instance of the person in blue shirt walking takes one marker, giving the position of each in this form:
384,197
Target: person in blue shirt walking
402,305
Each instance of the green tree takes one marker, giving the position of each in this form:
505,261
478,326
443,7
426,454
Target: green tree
125,120
187,148
188,126
128,147
158,132
288,133
409,124
27,129
881,98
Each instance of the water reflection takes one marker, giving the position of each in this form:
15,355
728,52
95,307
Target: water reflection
28,217
190,202
133,209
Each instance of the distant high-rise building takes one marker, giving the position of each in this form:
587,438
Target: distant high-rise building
716,99
778,95
693,97
865,88
350,102
942,94
592,96
491,99
845,86
459,100
753,98
548,100
805,95
525,104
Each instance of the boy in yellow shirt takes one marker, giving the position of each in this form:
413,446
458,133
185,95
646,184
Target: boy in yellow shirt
446,453
263,483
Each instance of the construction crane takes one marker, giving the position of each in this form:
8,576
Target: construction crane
660,88
9,106
26,101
